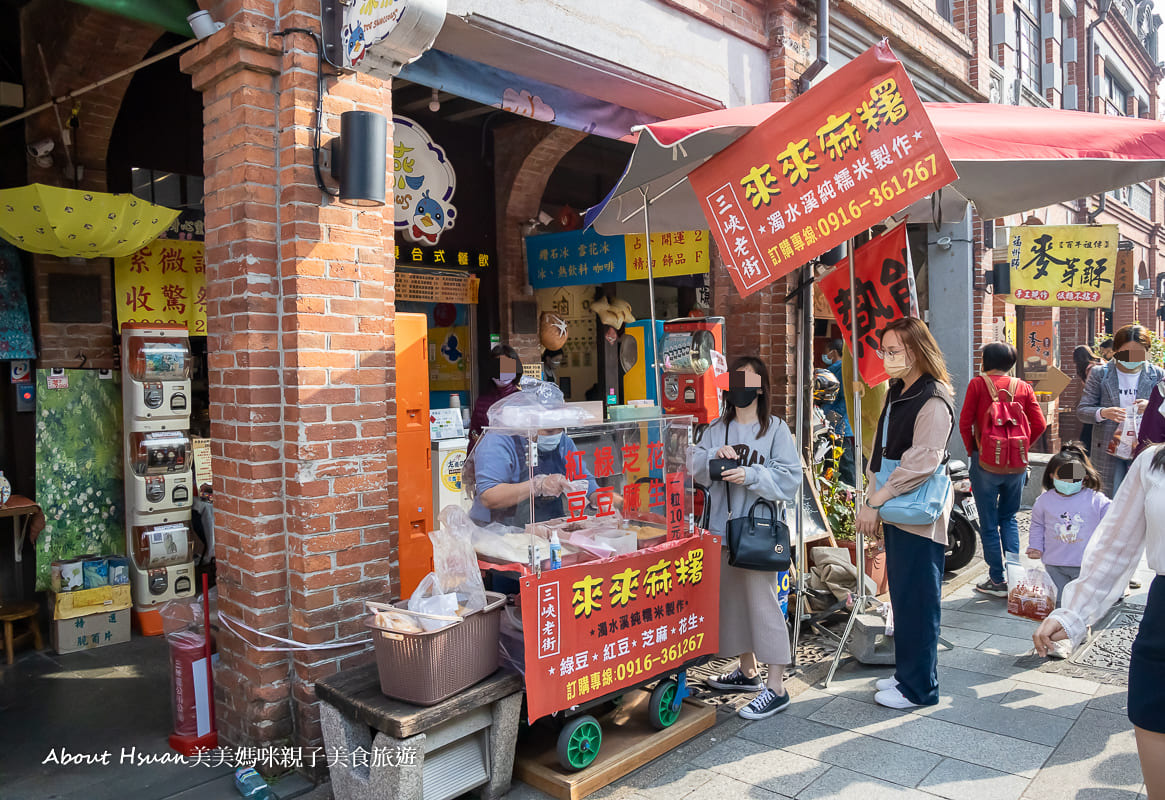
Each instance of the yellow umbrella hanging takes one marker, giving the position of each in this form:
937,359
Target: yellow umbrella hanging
75,222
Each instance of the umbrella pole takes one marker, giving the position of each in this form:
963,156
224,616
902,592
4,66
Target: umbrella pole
861,599
799,602
651,297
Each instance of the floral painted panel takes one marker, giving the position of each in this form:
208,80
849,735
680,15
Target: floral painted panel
79,473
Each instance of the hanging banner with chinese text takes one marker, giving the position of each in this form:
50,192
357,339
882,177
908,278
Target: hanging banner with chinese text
583,258
164,282
1071,266
884,278
594,628
848,153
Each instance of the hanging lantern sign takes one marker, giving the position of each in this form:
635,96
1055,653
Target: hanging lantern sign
380,36
424,182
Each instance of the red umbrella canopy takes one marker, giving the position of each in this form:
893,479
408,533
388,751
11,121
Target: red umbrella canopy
1009,159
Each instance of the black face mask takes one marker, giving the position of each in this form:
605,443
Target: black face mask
739,398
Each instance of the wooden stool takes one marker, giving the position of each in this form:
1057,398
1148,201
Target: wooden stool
11,612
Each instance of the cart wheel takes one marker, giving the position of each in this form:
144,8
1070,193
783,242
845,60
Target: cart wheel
662,711
579,742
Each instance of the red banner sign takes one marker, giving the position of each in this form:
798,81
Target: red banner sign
595,628
848,153
884,282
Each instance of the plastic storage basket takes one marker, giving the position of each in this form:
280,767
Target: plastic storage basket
426,668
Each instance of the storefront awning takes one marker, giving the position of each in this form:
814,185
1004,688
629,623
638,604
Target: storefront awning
73,223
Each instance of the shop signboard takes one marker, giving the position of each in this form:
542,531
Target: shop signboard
452,258
424,182
597,627
1071,266
163,283
1126,276
884,281
848,153
1038,344
584,258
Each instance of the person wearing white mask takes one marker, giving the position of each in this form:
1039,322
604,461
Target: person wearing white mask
920,420
503,483
1112,392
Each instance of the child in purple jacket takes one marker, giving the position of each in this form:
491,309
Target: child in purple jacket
1066,514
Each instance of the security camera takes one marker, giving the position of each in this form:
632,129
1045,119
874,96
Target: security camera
42,148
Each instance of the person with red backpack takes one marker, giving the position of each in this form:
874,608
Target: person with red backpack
999,422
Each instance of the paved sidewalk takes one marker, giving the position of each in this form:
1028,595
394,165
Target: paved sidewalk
1003,730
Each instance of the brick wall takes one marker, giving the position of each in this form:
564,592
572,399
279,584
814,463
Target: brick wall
300,328
80,45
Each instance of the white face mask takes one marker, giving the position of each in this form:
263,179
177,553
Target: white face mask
548,442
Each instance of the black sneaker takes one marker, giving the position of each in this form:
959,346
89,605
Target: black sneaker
992,588
765,705
735,681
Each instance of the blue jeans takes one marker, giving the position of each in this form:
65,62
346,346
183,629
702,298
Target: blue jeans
914,567
997,498
1120,469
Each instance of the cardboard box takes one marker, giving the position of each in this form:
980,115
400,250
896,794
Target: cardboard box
103,599
90,632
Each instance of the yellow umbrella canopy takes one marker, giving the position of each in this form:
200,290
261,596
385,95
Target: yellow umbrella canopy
75,222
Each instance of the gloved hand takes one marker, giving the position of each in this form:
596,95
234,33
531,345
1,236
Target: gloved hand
550,485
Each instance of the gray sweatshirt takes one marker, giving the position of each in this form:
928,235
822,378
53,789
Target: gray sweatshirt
774,470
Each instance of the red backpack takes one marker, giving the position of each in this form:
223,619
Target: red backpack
1005,432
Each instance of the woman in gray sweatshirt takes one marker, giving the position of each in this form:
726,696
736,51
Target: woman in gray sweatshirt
751,623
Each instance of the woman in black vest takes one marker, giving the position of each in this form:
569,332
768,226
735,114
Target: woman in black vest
920,424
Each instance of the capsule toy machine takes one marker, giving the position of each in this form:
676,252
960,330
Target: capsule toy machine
159,482
689,382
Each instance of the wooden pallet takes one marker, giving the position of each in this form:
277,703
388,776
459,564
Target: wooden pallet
629,742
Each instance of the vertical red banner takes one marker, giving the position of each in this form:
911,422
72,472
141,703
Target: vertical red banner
848,153
676,527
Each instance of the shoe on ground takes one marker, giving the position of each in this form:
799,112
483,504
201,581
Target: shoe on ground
886,683
893,698
765,704
1060,650
992,588
1134,584
736,681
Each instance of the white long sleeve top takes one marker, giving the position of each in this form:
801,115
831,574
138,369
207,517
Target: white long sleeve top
1134,524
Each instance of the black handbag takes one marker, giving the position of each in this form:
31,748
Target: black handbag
758,542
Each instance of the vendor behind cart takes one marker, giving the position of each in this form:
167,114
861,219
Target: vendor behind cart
503,481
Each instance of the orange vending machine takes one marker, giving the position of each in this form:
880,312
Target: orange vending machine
689,383
414,466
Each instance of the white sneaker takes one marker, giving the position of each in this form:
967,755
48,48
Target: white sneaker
886,683
893,698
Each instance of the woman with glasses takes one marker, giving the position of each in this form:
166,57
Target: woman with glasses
915,426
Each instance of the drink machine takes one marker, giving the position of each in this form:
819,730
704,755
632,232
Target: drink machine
159,482
689,383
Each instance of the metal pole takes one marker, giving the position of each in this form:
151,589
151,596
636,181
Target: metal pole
651,296
799,603
860,596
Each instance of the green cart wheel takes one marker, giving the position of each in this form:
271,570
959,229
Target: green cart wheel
663,711
579,742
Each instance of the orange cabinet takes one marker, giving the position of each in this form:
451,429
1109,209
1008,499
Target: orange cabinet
414,461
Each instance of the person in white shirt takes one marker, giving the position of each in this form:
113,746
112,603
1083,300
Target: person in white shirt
1113,391
1134,524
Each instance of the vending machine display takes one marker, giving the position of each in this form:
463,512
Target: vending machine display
158,369
689,382
161,478
163,563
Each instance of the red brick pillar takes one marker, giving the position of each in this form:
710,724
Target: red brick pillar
300,330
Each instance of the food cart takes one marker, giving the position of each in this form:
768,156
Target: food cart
588,528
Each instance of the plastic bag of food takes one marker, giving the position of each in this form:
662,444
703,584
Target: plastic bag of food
1032,595
455,569
1124,441
539,405
428,598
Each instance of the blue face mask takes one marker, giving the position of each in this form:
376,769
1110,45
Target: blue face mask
548,442
1131,366
1067,488
825,359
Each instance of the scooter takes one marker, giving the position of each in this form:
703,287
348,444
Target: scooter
963,529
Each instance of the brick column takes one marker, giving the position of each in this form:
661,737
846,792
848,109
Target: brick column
300,330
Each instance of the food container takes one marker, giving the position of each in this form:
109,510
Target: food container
95,572
426,668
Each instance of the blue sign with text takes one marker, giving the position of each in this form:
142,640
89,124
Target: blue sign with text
575,258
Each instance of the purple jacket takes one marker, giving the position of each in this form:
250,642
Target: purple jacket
1153,422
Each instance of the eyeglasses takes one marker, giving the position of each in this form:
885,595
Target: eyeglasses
883,353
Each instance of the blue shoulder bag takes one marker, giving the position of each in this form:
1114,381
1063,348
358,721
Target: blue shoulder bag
919,507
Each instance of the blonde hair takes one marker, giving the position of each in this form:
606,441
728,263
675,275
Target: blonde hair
916,336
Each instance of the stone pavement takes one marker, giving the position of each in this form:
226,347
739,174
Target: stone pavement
1007,727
